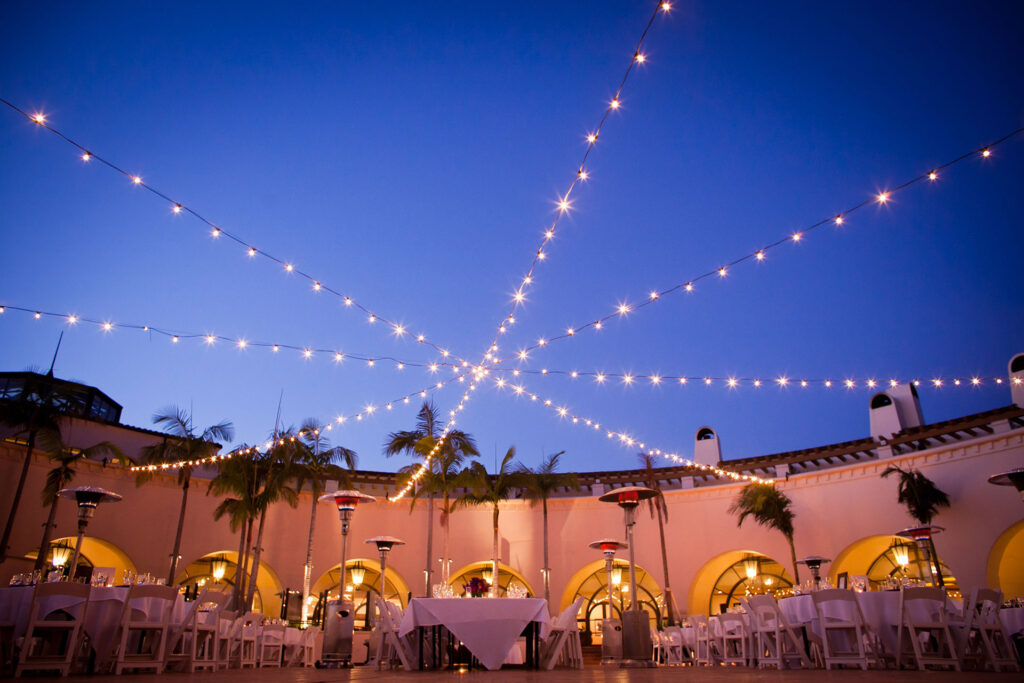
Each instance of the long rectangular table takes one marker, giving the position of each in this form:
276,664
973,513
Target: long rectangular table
487,627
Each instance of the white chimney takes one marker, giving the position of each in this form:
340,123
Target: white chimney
894,410
706,448
1017,379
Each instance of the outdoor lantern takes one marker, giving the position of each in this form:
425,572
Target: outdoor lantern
751,567
218,567
922,536
636,632
59,555
814,562
1014,477
487,575
88,498
901,554
358,574
617,576
346,501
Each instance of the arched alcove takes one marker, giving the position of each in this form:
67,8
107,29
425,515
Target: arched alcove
729,565
886,557
506,575
96,552
1005,569
591,582
362,579
203,573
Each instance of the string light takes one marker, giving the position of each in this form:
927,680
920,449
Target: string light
733,382
215,230
627,440
210,339
761,253
367,411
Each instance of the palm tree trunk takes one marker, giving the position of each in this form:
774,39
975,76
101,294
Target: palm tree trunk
430,543
244,573
307,570
16,501
547,569
445,524
494,562
181,526
236,599
44,545
257,551
792,556
669,603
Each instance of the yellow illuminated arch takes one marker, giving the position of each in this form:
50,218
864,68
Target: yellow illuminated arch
268,585
97,552
505,575
1005,561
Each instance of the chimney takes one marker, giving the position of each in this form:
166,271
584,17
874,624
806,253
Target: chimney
1017,379
894,410
706,448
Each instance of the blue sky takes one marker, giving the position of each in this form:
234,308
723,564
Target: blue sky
410,155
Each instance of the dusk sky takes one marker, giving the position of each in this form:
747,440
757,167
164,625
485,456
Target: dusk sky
410,155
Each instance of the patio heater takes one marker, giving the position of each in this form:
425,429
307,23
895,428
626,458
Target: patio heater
922,536
338,631
814,562
1014,477
88,498
611,629
636,630
384,545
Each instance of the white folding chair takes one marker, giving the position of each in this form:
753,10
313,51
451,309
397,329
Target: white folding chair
705,649
657,651
55,626
303,653
733,638
243,638
672,645
144,628
398,649
778,643
924,625
979,634
270,646
563,642
226,621
193,642
846,638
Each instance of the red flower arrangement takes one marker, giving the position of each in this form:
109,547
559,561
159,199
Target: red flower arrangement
477,587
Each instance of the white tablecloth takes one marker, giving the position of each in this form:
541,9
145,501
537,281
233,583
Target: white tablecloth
488,627
1013,620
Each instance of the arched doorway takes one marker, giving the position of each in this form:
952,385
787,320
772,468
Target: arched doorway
885,560
362,579
726,577
1006,560
591,582
96,553
506,577
219,571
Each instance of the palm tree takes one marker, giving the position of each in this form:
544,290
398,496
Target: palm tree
539,485
238,477
922,499
418,443
184,445
770,508
318,460
277,470
34,411
487,490
918,493
60,476
657,506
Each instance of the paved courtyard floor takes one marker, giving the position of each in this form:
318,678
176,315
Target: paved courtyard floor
595,674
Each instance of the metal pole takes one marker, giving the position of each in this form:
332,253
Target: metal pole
609,561
635,604
78,549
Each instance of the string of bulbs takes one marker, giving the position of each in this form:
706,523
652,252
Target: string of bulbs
399,330
781,381
624,439
209,339
840,219
564,204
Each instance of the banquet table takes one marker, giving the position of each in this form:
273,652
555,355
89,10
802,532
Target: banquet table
488,627
102,614
1013,620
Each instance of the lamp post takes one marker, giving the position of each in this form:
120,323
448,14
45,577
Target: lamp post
346,502
814,562
922,536
1014,477
88,498
636,632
